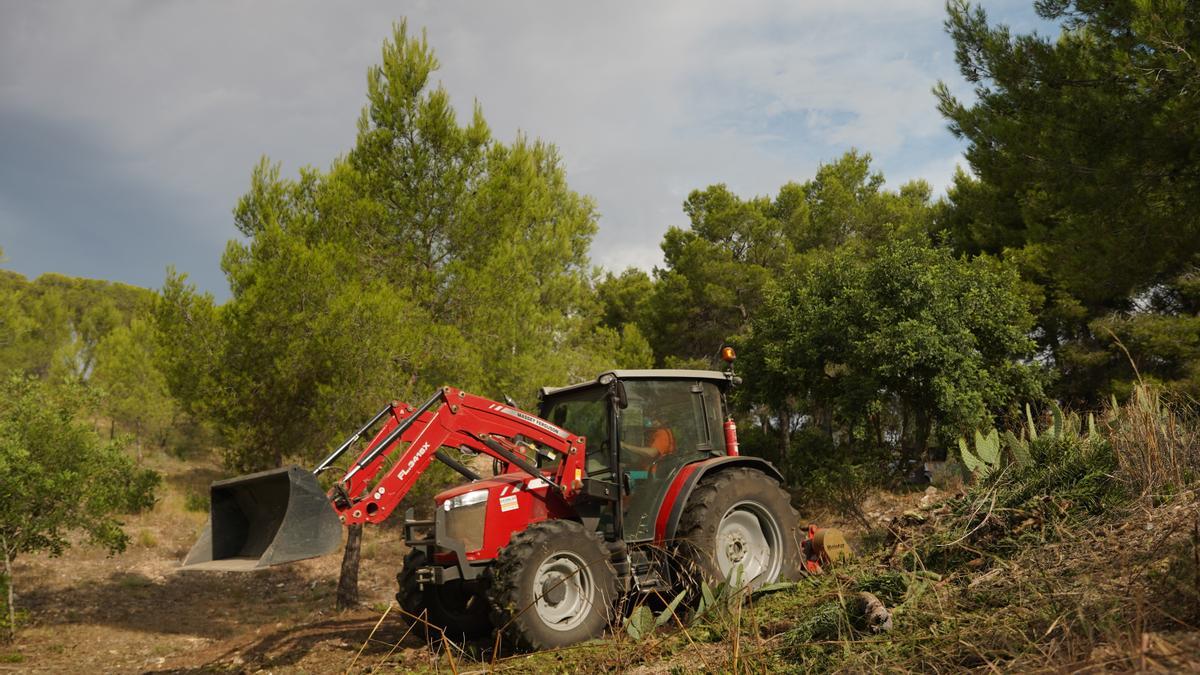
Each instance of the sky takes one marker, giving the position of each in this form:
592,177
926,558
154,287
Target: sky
128,129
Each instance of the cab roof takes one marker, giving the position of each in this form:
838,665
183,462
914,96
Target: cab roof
715,376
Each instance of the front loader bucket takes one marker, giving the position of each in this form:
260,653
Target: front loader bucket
263,519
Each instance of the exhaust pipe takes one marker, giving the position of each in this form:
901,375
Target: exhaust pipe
264,519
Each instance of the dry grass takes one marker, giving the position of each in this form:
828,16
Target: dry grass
1156,440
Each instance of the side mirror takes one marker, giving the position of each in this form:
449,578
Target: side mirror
622,399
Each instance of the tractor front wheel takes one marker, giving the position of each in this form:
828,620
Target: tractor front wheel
450,608
553,585
738,526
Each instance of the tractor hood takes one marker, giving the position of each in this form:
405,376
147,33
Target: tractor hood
478,518
514,482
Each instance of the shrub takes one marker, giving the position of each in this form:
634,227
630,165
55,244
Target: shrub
57,476
196,501
844,483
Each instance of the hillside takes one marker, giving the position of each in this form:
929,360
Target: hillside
1080,559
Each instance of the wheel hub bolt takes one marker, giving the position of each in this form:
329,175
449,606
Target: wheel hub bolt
735,549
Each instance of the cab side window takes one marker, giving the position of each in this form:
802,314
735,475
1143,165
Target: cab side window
585,415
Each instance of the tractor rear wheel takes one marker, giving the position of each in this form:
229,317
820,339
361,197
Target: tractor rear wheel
450,608
553,585
738,526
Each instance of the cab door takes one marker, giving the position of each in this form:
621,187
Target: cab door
666,425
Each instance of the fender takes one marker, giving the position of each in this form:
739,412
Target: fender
676,496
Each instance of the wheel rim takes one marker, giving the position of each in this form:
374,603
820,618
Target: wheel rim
748,537
563,591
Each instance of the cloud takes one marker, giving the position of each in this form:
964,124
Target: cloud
64,208
157,111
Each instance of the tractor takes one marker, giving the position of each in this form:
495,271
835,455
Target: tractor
623,486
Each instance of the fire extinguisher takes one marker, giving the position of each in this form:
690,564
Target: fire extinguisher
731,446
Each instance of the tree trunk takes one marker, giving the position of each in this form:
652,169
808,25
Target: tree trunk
8,585
347,589
924,430
785,434
826,412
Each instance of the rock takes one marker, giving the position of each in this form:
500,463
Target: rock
929,498
871,615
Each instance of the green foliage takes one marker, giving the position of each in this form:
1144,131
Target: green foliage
1068,477
824,622
987,457
187,331
718,269
302,350
903,344
715,600
623,298
1164,343
839,481
52,326
640,623
92,333
1070,468
134,390
199,502
57,476
1078,174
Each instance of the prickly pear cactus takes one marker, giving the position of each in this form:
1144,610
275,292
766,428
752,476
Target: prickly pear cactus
988,447
986,457
1056,421
1019,447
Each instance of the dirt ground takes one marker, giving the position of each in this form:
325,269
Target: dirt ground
136,612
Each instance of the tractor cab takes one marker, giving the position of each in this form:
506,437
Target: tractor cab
658,422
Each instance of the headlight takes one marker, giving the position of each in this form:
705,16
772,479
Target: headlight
466,499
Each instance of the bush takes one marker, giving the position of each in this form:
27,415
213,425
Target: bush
58,476
1077,471
843,483
196,501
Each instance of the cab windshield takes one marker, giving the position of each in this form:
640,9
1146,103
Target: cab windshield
665,425
583,413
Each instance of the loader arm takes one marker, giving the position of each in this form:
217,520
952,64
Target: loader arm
376,482
279,516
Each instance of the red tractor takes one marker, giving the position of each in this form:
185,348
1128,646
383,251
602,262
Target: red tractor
627,484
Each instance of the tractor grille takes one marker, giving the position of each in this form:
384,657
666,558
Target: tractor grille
466,524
